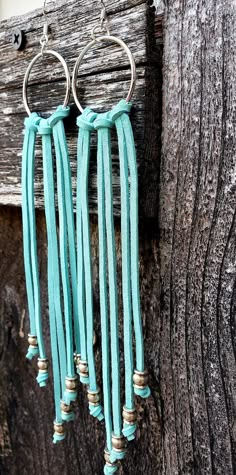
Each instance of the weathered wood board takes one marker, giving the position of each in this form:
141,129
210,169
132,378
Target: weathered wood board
197,235
103,81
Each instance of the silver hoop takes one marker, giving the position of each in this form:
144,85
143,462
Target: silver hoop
104,38
28,71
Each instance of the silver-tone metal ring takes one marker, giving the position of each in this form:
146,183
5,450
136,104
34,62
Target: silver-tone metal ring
28,71
104,38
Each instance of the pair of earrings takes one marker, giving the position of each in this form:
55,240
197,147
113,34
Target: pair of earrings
70,286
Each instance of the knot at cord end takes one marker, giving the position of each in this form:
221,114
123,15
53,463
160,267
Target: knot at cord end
42,379
114,456
83,379
96,411
69,396
32,351
58,437
129,431
109,468
142,392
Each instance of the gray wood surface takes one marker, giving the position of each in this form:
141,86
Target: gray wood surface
104,80
197,238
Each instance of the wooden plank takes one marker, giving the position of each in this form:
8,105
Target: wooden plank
104,79
197,230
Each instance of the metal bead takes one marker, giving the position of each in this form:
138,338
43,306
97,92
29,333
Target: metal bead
71,384
118,443
140,378
65,408
77,359
42,365
59,428
94,397
107,459
107,456
32,340
129,415
83,368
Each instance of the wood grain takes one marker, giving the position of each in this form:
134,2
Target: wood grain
103,81
197,238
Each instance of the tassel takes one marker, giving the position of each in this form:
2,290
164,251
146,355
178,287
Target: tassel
135,379
55,312
85,295
103,301
84,135
66,240
65,381
27,196
103,124
36,343
60,138
122,122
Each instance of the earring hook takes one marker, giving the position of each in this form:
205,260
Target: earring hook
44,10
104,17
44,37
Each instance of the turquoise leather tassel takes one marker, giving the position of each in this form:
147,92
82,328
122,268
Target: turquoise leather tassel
106,377
29,242
128,163
103,124
85,127
66,242
62,266
116,114
85,288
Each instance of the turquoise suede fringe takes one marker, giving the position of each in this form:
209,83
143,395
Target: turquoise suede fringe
70,281
117,118
62,265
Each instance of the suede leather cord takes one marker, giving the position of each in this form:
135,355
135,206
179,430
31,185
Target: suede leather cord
117,114
103,155
103,124
66,234
83,136
29,232
59,136
128,164
85,125
58,270
55,312
132,162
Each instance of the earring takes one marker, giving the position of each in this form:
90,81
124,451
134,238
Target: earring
61,256
136,380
